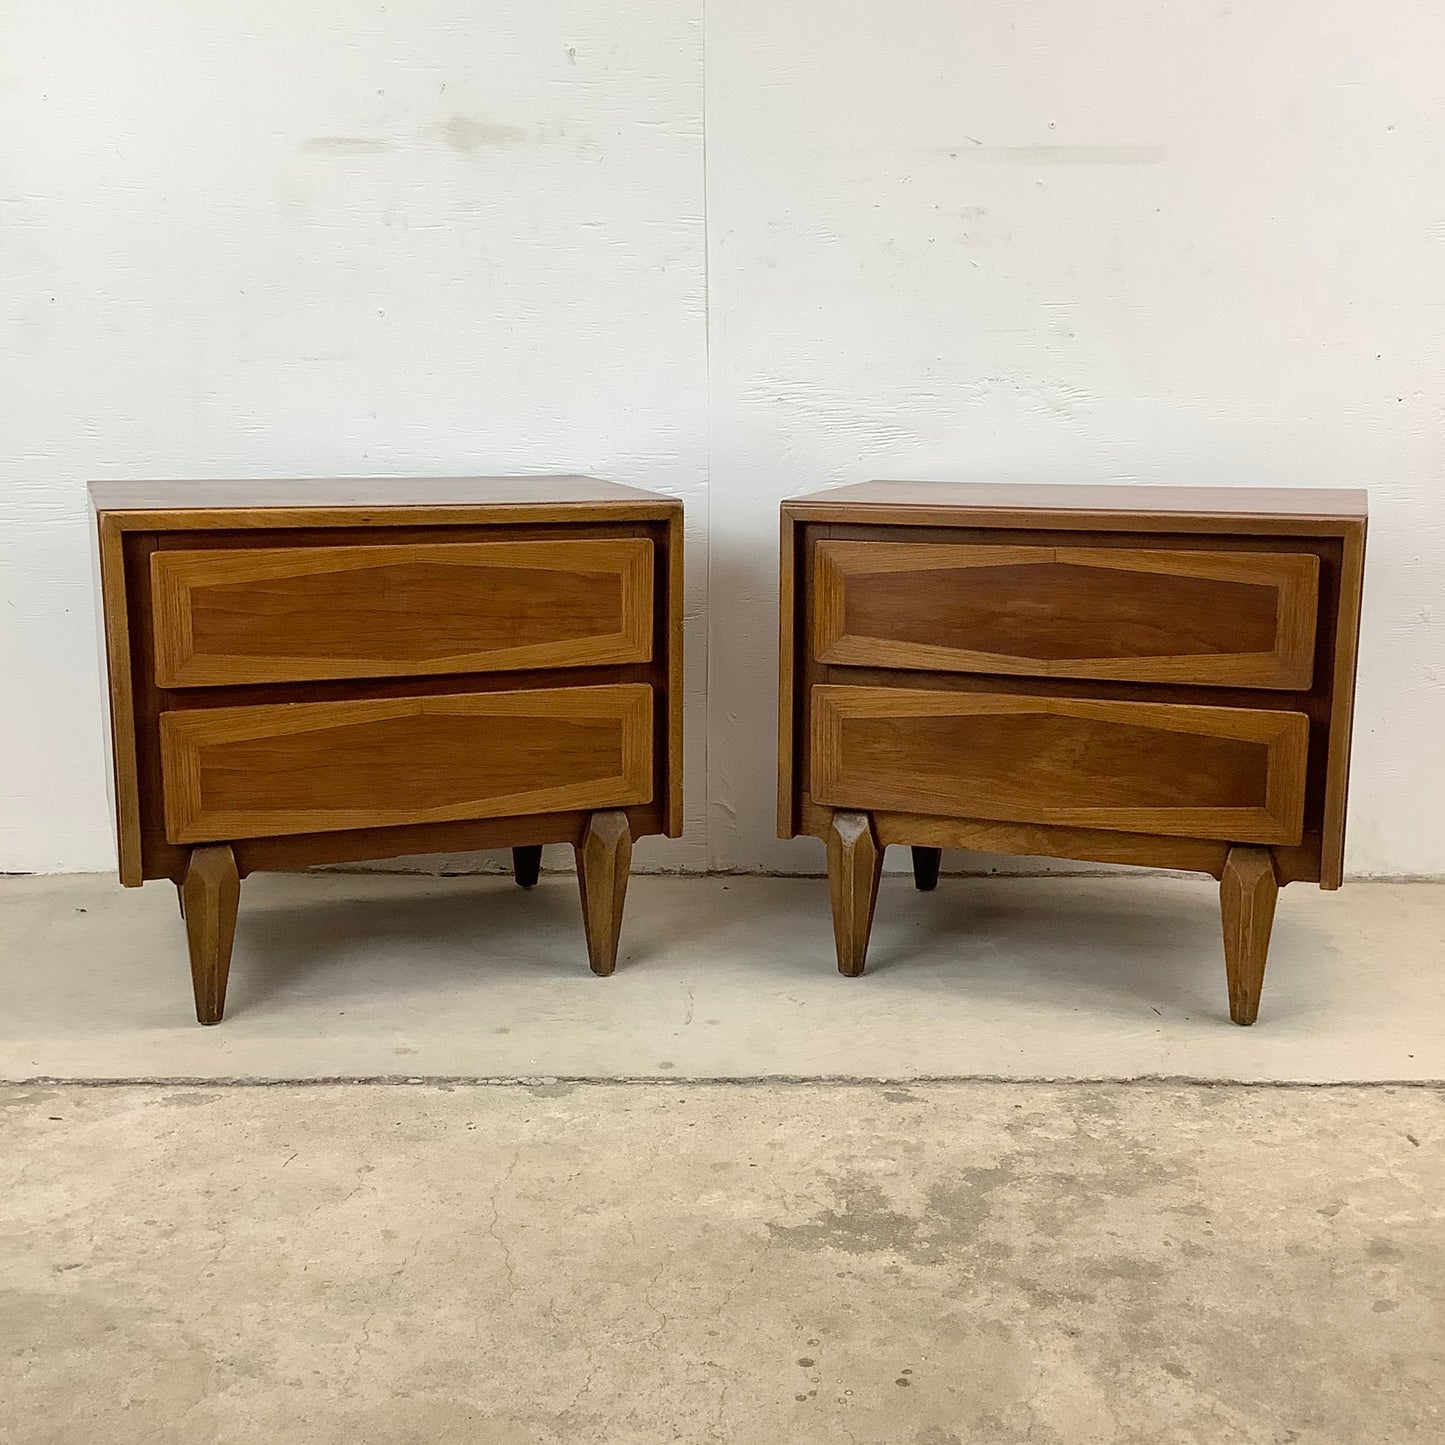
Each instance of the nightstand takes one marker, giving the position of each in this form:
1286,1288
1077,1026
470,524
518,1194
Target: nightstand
1140,675
326,671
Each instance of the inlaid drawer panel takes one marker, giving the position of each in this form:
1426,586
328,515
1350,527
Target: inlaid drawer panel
247,772
1242,619
292,614
1162,768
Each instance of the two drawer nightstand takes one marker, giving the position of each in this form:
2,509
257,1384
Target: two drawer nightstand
327,671
1151,676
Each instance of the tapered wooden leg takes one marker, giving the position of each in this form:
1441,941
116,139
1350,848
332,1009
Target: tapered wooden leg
1247,894
603,858
210,895
925,868
527,865
855,862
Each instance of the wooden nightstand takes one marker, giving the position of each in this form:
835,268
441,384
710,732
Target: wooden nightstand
326,671
1153,675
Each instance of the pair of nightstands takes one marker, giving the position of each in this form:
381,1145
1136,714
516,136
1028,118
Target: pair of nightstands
326,671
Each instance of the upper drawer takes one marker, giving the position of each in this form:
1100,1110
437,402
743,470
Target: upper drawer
1242,619
294,614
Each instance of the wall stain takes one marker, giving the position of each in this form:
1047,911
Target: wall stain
469,134
345,145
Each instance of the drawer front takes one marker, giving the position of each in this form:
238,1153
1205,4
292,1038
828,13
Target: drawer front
316,767
1234,774
294,614
1242,619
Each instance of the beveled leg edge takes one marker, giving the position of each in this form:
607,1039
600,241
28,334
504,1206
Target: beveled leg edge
604,858
210,899
855,864
1248,893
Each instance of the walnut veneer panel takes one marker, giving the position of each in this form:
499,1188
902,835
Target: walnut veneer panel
1201,772
1244,619
246,772
290,614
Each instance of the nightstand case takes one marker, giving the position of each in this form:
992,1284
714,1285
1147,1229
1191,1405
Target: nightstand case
328,671
1139,675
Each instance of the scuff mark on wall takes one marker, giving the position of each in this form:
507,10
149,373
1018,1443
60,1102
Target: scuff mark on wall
1057,155
469,133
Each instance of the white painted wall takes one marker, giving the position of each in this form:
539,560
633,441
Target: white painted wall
1120,241
286,239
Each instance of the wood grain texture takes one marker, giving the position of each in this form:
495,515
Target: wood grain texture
1245,619
1279,511
1349,599
1039,840
241,772
788,636
1247,895
244,504
670,622
306,850
1166,768
210,896
288,614
855,864
604,857
120,695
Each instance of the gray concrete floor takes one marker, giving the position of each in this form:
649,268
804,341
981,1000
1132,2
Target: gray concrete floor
947,1264
382,976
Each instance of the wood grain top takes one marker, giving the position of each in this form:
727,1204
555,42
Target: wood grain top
1258,504
360,492
370,501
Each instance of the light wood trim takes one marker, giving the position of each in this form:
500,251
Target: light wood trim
185,734
1342,708
175,575
674,821
1293,575
116,621
1285,733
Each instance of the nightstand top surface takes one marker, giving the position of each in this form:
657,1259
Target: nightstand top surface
272,502
362,492
1257,503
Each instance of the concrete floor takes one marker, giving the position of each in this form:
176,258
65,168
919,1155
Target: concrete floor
947,1264
378,976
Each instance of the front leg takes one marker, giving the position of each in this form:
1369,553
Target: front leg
210,896
855,861
603,857
1248,889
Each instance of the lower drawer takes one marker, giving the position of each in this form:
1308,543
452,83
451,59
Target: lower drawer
1235,774
315,767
